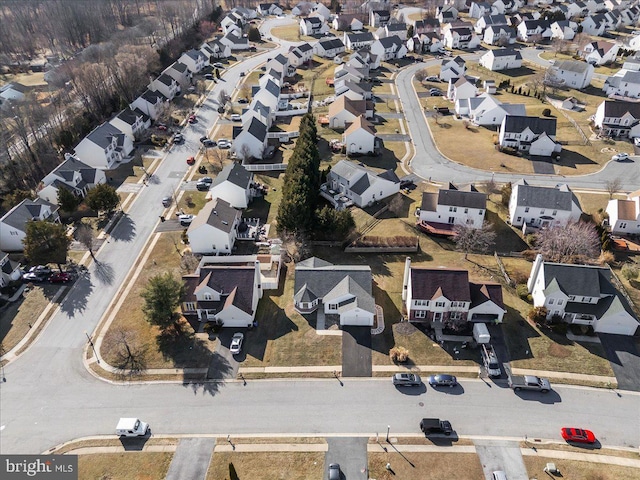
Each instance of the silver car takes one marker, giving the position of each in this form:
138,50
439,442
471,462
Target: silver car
406,380
334,471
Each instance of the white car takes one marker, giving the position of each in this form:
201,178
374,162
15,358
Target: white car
236,117
224,143
620,157
236,343
185,219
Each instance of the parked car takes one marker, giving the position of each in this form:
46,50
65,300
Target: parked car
406,380
192,118
40,270
435,93
191,160
243,100
620,157
242,74
577,435
443,380
253,49
185,219
166,201
224,143
202,186
162,127
334,471
218,65
432,78
435,425
207,180
178,138
236,117
60,277
236,343
208,76
209,143
33,277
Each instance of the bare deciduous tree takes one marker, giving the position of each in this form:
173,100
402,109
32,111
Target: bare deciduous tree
421,75
223,98
572,243
295,246
86,236
478,240
613,186
189,262
129,353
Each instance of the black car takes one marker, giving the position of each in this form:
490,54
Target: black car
435,425
243,100
202,186
209,143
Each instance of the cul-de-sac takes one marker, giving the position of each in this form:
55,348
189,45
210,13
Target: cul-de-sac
332,240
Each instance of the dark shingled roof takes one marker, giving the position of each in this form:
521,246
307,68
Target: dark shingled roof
579,280
103,135
538,125
331,43
506,52
544,197
483,292
360,37
25,211
616,109
128,116
430,283
234,283
216,213
458,198
258,129
234,173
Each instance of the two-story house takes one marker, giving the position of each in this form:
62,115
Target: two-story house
166,85
487,21
452,68
501,59
487,110
624,214
214,229
329,47
564,29
625,83
13,224
104,147
618,119
195,60
299,55
462,38
498,35
379,18
360,138
341,291
150,103
533,31
452,206
252,141
581,295
180,73
357,40
72,175
539,207
535,135
313,26
234,184
573,73
389,48
132,123
343,111
442,296
600,52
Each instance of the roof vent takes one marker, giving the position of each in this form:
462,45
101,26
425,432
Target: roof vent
215,212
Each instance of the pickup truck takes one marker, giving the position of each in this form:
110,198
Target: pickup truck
435,425
529,382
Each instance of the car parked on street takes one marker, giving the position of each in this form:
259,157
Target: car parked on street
178,138
620,157
166,201
209,143
192,118
442,380
191,160
577,435
236,343
40,270
33,277
406,380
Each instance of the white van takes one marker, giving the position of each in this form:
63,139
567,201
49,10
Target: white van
131,427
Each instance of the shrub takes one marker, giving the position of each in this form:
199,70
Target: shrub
560,328
399,354
606,258
522,291
537,315
546,112
529,255
629,271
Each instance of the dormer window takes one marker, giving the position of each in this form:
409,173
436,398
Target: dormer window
207,296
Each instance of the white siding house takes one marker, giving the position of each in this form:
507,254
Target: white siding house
105,147
454,206
233,185
573,73
542,206
214,228
501,59
13,224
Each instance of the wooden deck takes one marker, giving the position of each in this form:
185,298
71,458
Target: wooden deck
434,228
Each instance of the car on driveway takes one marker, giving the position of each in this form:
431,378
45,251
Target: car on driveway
236,117
224,143
443,380
33,277
236,343
185,219
620,157
432,78
166,201
243,100
40,270
202,185
209,143
577,435
218,65
161,127
334,471
60,277
435,92
208,76
406,380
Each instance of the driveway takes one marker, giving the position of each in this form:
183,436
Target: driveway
500,347
191,459
624,355
501,455
356,351
351,454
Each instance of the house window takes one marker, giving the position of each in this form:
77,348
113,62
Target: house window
421,313
560,302
623,225
453,209
542,212
555,212
455,315
572,298
333,306
207,296
466,210
551,301
526,210
439,304
481,212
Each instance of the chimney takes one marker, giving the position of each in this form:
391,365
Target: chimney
405,281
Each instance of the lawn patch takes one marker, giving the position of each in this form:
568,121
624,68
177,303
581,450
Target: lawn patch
583,470
253,465
424,465
125,465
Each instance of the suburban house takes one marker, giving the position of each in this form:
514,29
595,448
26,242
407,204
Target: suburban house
487,21
235,42
232,22
501,59
329,47
300,54
572,73
594,25
581,295
349,183
462,38
389,48
318,8
618,119
452,206
215,49
313,26
343,112
425,43
460,88
13,224
12,92
265,9
396,28
624,215
564,29
150,103
354,90
344,291
364,58
9,270
600,52
251,142
180,73
532,31
234,185
498,35
195,60
446,14
539,207
72,175
479,9
104,147
166,85
357,40
346,23
442,296
360,138
535,135
452,68
214,229
131,123
426,25
379,18
487,110
631,63
625,83
634,43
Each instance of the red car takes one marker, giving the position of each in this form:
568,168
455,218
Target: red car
192,119
162,127
191,161
60,277
577,435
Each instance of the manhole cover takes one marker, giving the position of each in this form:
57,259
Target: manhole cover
421,404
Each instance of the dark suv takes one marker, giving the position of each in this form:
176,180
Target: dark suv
435,425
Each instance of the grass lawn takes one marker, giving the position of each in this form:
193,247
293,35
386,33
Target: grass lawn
124,466
284,337
388,125
424,465
30,79
16,318
571,469
192,202
379,88
162,351
314,77
271,465
290,33
266,207
132,172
